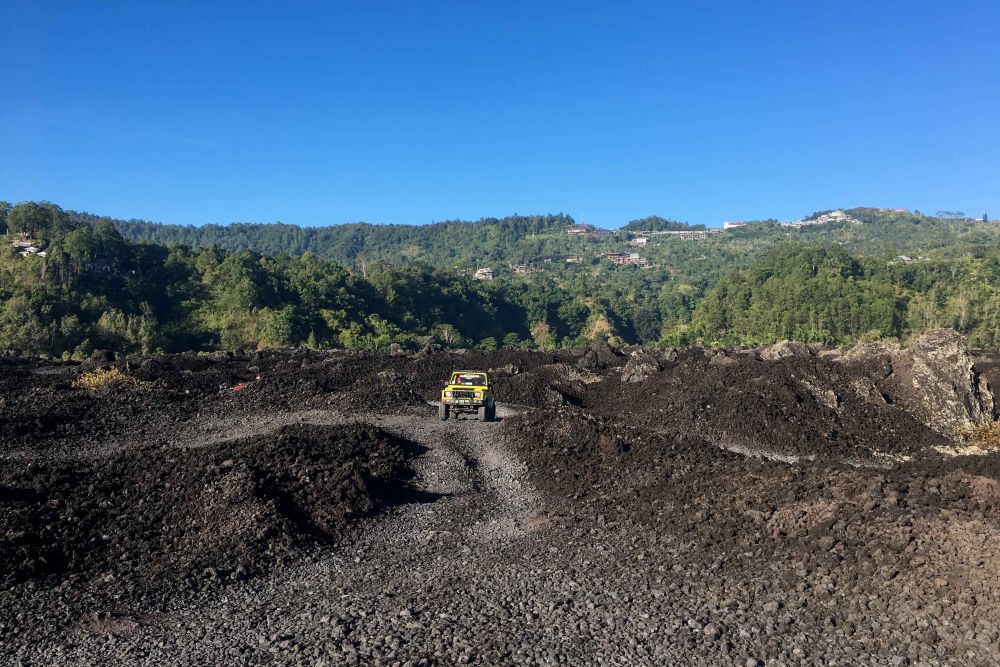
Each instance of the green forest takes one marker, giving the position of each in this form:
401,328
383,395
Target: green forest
92,282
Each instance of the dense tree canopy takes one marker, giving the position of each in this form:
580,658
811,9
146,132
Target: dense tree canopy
655,223
894,275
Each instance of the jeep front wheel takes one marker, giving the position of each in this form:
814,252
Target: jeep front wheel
443,412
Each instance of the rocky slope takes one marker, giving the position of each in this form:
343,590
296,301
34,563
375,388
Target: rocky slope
785,505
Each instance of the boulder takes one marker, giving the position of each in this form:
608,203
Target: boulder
555,397
428,350
640,365
588,361
98,359
606,354
783,349
509,369
935,379
598,356
722,358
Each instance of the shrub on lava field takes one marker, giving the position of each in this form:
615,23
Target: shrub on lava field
104,380
983,436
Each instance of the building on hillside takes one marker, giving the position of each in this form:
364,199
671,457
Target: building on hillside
27,247
641,241
575,259
588,231
521,268
733,225
826,218
484,273
691,234
638,261
623,258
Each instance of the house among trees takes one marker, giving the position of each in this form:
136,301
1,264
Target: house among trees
825,218
588,231
485,273
623,258
27,247
521,268
691,235
733,225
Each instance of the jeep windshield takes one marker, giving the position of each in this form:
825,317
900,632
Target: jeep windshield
469,379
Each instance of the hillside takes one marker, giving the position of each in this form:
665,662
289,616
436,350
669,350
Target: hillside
527,239
71,283
448,243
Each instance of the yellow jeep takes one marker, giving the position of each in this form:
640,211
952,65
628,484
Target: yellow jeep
469,392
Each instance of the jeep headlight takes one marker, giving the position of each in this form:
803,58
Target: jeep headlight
479,394
447,394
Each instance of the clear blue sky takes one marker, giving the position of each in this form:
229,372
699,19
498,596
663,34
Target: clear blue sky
409,112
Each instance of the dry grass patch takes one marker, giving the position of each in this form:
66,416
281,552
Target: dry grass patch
104,380
983,436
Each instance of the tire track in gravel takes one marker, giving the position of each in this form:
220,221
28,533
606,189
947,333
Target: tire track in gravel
467,464
464,463
220,431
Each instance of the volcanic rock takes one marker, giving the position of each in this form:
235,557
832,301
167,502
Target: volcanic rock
640,365
785,349
937,377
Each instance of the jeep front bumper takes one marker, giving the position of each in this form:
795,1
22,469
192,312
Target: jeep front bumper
470,402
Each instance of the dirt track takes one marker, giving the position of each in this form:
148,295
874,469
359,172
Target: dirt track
580,534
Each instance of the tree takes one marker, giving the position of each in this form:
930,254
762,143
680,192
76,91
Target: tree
541,333
656,224
22,328
448,335
113,329
951,215
277,327
647,324
4,211
37,220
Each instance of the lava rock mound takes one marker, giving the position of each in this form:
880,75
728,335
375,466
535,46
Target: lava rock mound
195,516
